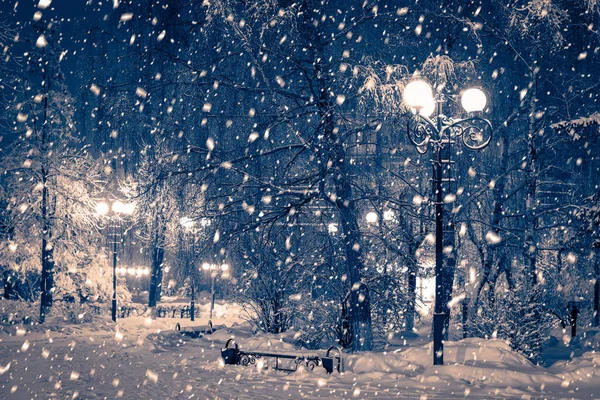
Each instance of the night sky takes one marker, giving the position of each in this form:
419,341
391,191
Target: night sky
76,18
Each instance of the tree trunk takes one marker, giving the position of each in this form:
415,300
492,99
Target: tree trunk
47,251
154,294
158,255
7,285
409,317
531,219
491,255
359,302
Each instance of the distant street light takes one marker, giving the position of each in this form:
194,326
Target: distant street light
102,208
371,217
476,134
213,268
118,208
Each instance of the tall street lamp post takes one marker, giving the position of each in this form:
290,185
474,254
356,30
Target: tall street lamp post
437,132
114,212
188,225
213,268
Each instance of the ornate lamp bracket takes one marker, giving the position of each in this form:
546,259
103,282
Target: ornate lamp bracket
475,132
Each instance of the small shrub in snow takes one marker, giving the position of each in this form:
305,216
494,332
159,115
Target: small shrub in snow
270,288
18,312
519,317
316,322
77,313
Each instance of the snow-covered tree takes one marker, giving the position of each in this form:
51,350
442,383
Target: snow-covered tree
48,176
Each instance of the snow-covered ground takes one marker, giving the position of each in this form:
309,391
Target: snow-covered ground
146,359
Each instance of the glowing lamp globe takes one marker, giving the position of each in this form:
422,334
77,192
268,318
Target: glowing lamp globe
118,206
418,94
128,208
426,110
473,100
102,208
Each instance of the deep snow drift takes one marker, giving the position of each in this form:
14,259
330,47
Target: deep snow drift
145,358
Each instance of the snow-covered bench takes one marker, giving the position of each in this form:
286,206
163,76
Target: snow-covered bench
232,355
195,331
175,312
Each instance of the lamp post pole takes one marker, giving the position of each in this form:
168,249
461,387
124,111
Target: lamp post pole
214,270
476,134
212,300
438,313
114,294
189,231
112,212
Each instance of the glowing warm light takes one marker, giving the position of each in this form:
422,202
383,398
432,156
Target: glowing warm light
128,208
118,206
371,217
102,208
131,271
214,267
146,271
473,99
418,95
